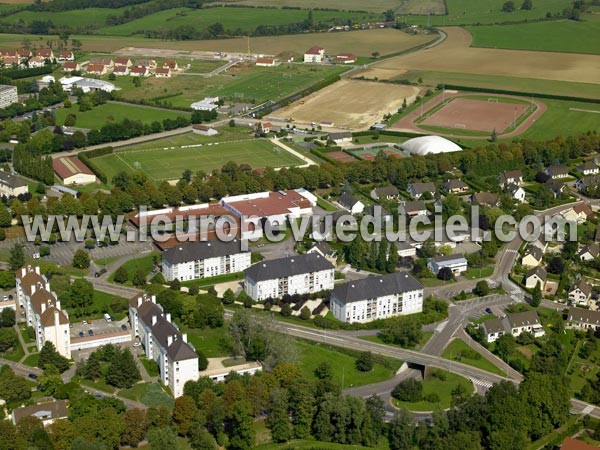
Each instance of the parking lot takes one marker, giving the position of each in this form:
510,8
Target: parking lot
97,327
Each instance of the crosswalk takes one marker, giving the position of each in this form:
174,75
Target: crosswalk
482,383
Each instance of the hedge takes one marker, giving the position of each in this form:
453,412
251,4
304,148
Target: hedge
15,74
86,157
97,152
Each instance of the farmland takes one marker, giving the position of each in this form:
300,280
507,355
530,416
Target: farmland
349,5
82,17
456,55
168,163
565,36
115,112
242,83
243,19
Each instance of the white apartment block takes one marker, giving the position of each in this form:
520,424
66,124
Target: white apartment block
8,96
42,310
177,360
204,259
301,274
377,298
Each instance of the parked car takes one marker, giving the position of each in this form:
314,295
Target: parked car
5,298
10,296
123,327
33,376
83,322
91,332
81,334
488,310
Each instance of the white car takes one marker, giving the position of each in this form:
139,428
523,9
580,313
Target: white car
137,344
36,256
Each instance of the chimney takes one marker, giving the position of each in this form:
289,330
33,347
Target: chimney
37,270
43,306
139,302
56,319
23,271
57,304
153,320
184,337
169,340
168,317
153,299
33,288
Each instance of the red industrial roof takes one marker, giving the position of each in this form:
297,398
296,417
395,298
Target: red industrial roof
68,166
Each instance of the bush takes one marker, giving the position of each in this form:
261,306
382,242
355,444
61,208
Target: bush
81,259
202,360
432,397
364,362
409,390
121,275
305,313
286,310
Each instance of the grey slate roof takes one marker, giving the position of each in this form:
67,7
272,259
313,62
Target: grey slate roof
536,252
385,191
421,188
199,250
347,200
584,316
459,257
414,206
539,271
288,266
373,287
339,135
11,180
455,184
493,325
523,319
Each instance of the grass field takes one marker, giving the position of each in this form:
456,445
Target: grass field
241,83
244,19
456,351
312,355
150,394
144,263
356,5
211,341
115,112
79,18
563,36
443,389
168,164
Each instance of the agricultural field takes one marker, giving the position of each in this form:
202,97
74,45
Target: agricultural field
348,5
115,112
79,18
362,43
243,19
364,103
168,163
244,83
564,36
456,55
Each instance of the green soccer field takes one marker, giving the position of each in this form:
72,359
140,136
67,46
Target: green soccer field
168,163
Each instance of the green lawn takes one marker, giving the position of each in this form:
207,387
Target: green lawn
150,394
32,360
244,19
563,36
115,112
442,388
457,350
150,366
207,282
163,163
474,273
312,355
144,263
14,354
213,342
99,384
78,19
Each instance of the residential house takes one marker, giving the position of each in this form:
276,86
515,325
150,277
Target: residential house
24,53
265,62
417,190
148,63
66,55
493,329
527,321
108,62
378,211
589,182
71,170
348,202
301,274
533,257
456,263
121,70
322,248
48,413
204,130
580,293
162,72
405,250
341,137
510,176
96,69
589,168
578,213
583,319
36,61
263,127
10,61
123,61
413,208
139,71
556,187
71,66
557,171
170,64
455,187
372,298
45,53
485,199
314,55
385,193
163,342
204,259
516,192
12,185
344,58
8,95
589,252
535,276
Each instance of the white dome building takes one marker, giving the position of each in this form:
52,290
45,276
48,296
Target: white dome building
426,145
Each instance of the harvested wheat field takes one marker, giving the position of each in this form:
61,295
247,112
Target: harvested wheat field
456,55
350,104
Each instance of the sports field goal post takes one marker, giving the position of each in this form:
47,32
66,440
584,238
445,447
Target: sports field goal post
492,100
461,126
137,165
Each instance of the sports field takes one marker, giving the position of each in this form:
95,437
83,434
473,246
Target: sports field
244,19
168,163
564,36
115,112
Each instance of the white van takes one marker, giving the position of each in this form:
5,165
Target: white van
107,317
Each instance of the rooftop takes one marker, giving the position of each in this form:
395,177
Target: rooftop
288,266
373,287
194,251
69,166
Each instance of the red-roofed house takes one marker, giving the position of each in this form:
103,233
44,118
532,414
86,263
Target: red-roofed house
345,58
139,71
71,170
204,130
96,69
121,70
265,62
71,66
66,55
314,55
25,53
10,60
46,53
123,61
170,64
36,61
160,72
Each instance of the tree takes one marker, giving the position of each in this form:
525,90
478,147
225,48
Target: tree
5,217
305,313
81,259
445,273
375,55
536,295
202,360
403,331
49,355
121,275
81,294
400,431
527,5
7,317
162,437
409,390
278,420
508,6
16,259
494,136
13,388
184,412
122,371
241,433
228,297
286,310
50,381
375,410
324,371
364,362
139,278
505,346
136,427
556,265
482,288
